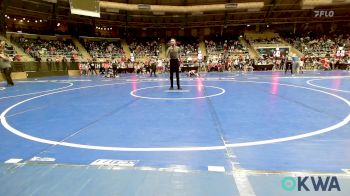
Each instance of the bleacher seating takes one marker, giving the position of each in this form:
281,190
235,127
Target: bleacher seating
42,49
225,50
103,48
320,46
144,47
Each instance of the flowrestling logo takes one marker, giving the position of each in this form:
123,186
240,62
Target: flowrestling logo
310,183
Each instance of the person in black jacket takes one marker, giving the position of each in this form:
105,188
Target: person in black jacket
92,67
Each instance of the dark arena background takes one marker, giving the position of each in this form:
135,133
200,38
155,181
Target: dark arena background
262,106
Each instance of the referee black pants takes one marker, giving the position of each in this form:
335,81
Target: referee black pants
174,67
7,73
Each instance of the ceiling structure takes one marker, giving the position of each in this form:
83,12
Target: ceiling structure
272,12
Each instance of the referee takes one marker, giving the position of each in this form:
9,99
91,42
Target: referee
5,64
173,53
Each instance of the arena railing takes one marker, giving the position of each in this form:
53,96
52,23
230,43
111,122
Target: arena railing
181,9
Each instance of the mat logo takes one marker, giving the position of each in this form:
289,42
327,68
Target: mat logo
110,162
311,183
